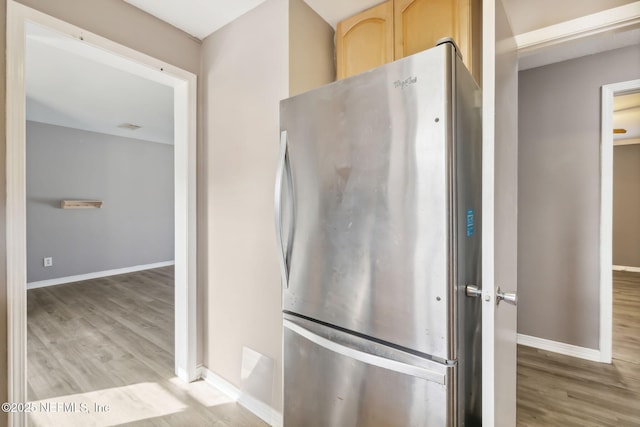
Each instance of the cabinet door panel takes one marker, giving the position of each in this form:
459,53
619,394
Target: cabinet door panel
420,23
365,41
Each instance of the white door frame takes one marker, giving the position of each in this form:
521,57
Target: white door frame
184,85
606,213
499,214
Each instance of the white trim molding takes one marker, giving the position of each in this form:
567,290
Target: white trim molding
96,275
560,347
185,100
606,225
16,216
627,141
606,213
257,407
615,18
626,268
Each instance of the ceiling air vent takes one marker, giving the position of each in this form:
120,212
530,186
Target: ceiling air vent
129,126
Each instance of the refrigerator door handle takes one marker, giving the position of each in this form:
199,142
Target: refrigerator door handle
282,169
370,359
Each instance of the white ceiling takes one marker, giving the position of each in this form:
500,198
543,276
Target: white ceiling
200,18
196,17
67,89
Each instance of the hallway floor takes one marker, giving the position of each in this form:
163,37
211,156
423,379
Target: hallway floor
558,390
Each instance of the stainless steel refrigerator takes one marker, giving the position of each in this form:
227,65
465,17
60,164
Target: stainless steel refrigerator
378,199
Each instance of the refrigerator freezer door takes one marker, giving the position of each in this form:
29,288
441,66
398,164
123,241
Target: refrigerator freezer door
370,160
330,384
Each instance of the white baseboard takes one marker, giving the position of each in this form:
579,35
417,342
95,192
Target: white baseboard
626,268
257,407
560,347
96,275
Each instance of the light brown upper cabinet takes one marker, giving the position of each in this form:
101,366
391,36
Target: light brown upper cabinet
419,24
416,25
365,40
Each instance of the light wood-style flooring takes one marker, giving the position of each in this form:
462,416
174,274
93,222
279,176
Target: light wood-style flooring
556,390
104,348
109,342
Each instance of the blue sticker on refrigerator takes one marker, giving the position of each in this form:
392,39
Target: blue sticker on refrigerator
470,223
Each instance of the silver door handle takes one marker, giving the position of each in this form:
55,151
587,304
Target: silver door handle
284,273
473,291
509,298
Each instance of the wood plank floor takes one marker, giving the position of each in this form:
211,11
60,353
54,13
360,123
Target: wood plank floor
109,341
557,390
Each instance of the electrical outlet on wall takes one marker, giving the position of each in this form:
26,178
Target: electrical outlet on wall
48,261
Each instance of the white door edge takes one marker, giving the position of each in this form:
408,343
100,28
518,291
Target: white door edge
488,211
499,219
606,214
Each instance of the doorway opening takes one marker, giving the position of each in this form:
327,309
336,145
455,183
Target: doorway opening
100,226
609,94
183,84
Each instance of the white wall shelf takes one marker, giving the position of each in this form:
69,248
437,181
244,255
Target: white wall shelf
81,204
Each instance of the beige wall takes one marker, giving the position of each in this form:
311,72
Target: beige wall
559,196
115,20
311,49
626,205
248,67
245,75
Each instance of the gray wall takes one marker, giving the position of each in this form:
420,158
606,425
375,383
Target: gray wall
134,178
626,205
117,21
558,199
